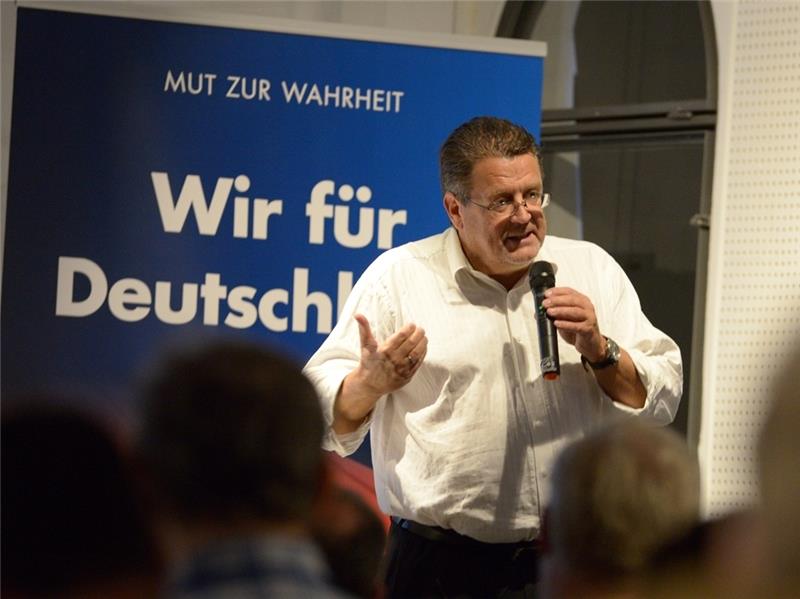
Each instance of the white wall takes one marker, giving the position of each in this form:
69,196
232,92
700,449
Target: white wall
753,295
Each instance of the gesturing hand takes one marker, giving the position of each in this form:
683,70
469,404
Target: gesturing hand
381,370
389,366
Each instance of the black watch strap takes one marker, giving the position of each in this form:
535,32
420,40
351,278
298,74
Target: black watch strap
611,357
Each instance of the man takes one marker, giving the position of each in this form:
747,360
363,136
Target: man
436,352
618,496
231,436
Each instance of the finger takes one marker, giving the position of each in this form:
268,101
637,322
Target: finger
576,328
416,350
409,355
557,291
565,297
410,344
365,333
422,347
568,298
413,361
571,313
420,351
395,347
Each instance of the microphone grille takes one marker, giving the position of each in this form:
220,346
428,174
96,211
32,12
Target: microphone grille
541,274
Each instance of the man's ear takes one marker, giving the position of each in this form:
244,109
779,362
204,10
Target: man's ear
453,208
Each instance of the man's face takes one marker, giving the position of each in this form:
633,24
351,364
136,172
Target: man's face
500,246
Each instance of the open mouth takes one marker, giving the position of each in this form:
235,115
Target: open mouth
513,241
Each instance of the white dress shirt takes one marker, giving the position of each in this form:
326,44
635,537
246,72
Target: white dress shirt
468,443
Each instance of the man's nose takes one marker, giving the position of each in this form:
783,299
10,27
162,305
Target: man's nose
523,211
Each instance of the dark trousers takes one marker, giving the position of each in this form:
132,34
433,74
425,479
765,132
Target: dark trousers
455,566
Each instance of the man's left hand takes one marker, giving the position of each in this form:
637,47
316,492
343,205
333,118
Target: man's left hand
574,317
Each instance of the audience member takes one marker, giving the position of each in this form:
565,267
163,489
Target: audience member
617,495
716,558
231,434
779,463
353,538
74,524
753,553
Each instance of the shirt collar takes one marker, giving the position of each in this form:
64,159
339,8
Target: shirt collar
459,265
460,268
456,259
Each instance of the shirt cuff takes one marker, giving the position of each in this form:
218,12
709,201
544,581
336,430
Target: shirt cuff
346,443
328,388
661,402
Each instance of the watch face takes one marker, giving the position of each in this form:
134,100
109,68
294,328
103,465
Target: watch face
612,354
611,358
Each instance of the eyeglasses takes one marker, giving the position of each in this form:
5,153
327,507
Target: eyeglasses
509,207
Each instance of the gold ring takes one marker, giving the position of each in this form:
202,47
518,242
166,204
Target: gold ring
411,360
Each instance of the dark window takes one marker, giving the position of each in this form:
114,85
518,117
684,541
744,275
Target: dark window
627,134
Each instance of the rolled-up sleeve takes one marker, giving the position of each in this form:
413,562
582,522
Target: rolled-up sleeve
327,374
340,353
662,378
656,357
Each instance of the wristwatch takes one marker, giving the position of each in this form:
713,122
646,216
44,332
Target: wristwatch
611,357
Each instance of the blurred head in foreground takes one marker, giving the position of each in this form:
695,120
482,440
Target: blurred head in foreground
779,464
231,433
74,524
618,495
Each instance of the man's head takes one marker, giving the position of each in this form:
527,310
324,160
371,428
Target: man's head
479,138
618,495
492,182
232,432
76,523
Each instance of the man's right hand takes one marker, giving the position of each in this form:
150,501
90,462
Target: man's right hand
383,368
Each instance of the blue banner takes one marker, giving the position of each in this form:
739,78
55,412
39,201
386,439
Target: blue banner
171,180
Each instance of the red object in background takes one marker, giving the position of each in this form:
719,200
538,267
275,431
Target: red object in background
357,478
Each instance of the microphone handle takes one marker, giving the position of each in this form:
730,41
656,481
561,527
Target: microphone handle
548,339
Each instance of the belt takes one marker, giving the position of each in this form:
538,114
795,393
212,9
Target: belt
445,535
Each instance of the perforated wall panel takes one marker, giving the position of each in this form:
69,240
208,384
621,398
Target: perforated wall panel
756,307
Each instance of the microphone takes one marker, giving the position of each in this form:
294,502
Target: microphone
542,278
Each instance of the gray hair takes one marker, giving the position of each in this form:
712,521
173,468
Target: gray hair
619,495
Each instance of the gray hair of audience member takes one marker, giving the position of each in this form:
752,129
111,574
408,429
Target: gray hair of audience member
618,495
232,430
481,137
779,472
